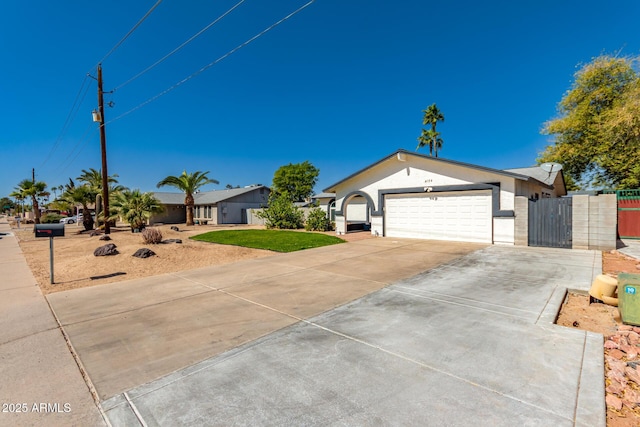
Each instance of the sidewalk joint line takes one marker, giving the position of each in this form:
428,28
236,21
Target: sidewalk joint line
461,304
471,300
135,410
584,349
83,372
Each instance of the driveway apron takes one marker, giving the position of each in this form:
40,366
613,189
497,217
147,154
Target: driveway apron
319,338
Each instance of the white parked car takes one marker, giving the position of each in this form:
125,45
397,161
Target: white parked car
70,220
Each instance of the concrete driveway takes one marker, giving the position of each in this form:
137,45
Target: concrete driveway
133,332
468,340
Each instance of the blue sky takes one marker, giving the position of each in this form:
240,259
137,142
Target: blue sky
341,84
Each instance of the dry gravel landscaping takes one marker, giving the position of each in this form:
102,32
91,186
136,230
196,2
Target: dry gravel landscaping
75,264
621,346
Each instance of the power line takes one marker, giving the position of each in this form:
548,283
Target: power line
70,117
76,105
130,32
181,46
211,64
82,142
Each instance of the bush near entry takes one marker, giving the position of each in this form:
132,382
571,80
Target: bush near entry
318,221
282,213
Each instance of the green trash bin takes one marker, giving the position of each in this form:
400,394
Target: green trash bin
629,298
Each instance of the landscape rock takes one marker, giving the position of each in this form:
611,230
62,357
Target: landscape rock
611,344
633,375
615,388
614,401
105,237
633,338
106,250
144,253
616,354
618,376
631,351
632,396
172,241
174,228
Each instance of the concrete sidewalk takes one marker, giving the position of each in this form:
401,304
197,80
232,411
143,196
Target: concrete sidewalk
41,382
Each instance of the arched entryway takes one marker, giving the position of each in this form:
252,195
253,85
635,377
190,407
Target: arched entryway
357,208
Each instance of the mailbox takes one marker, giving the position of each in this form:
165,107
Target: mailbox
49,230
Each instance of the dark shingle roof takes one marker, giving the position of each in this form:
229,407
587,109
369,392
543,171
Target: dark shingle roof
205,197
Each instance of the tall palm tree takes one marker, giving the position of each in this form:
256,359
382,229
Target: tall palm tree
188,183
135,207
27,188
432,115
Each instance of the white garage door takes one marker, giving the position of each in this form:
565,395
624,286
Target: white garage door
462,216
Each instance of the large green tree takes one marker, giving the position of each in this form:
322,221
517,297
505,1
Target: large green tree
188,183
597,131
6,204
296,180
34,190
431,137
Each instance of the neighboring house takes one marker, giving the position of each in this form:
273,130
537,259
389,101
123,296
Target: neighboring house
416,196
215,207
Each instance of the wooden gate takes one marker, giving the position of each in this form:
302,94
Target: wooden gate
628,214
550,223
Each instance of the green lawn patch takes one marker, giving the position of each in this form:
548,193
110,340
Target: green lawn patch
272,240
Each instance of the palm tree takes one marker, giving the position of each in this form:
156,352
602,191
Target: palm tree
20,201
135,207
188,183
432,115
27,188
81,194
93,178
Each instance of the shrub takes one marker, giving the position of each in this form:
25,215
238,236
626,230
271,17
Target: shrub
152,236
318,221
50,218
282,213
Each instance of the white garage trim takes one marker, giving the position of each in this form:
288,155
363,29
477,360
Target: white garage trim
461,216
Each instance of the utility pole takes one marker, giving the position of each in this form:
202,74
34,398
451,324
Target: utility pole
33,175
103,149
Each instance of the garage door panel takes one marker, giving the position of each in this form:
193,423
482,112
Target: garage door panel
440,216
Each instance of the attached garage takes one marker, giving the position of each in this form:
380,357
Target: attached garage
459,216
410,195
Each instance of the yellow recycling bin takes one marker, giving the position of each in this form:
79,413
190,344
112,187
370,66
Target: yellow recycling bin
629,298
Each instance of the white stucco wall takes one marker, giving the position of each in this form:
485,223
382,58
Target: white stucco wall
422,172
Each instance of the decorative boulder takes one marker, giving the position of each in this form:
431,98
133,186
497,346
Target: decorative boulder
174,228
172,241
106,250
144,253
105,237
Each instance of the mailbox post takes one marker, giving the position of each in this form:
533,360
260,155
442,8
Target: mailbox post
50,231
